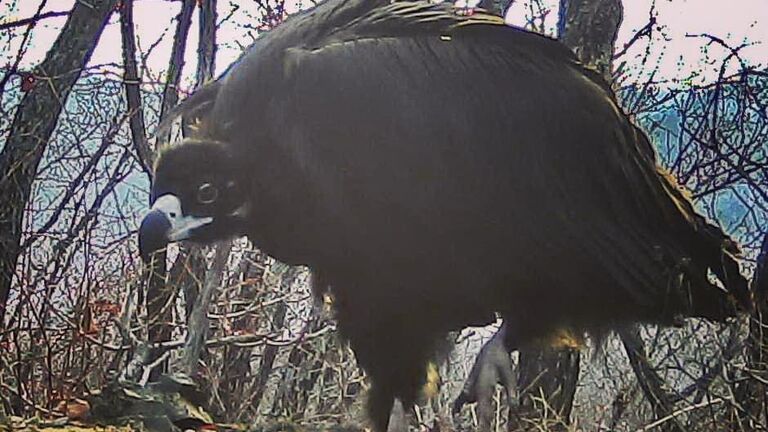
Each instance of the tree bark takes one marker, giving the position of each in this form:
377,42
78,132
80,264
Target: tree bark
132,89
270,351
551,373
34,122
206,46
498,7
752,395
176,64
237,376
197,323
651,384
589,28
191,255
159,293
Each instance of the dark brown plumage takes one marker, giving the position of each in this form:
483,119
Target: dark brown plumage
435,169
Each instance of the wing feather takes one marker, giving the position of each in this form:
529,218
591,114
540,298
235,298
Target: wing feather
491,148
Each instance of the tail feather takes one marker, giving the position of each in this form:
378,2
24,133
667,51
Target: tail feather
709,249
674,251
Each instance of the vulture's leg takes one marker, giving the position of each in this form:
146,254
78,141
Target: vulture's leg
386,411
508,380
381,404
397,420
389,418
396,380
493,365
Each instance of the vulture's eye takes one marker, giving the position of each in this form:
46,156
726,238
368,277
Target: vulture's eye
207,193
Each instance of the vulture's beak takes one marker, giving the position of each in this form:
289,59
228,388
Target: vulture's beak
165,223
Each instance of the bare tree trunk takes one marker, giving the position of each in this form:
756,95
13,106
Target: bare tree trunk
551,374
189,274
270,351
651,384
176,64
34,123
752,395
589,28
191,255
237,375
206,47
160,294
144,153
498,7
299,377
132,89
197,322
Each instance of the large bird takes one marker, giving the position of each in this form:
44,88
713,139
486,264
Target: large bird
434,168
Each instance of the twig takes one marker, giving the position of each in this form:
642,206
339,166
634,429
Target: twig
33,19
680,412
647,30
148,368
28,401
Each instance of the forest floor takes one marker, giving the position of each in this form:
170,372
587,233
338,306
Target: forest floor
173,403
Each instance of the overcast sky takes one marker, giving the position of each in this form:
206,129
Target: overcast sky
677,55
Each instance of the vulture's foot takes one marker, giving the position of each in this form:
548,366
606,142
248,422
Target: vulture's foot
493,365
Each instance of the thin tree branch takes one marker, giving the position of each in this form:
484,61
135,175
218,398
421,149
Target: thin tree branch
33,19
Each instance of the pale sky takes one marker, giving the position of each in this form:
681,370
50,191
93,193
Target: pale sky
735,21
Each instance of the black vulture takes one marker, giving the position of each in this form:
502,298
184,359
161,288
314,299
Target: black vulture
435,168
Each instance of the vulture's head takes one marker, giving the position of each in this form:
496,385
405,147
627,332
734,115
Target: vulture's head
196,195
